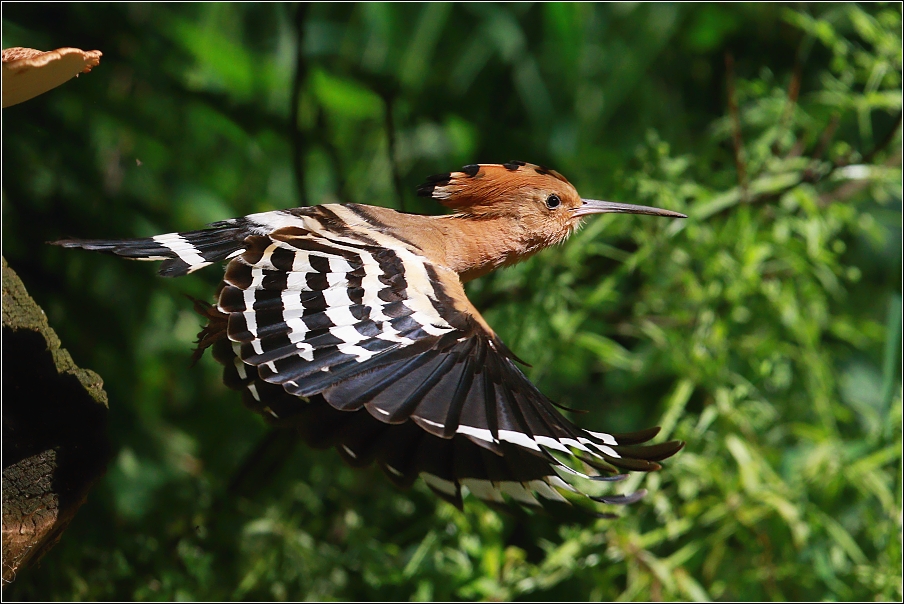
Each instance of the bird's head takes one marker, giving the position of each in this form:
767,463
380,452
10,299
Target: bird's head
541,201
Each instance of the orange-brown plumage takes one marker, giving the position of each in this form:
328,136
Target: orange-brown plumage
504,213
351,323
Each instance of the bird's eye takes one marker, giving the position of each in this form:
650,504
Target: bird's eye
553,201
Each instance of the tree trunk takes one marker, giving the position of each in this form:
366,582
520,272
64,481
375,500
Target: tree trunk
54,431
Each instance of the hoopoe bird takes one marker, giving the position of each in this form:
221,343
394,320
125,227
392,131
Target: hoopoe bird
350,323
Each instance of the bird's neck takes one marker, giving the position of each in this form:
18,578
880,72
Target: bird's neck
472,247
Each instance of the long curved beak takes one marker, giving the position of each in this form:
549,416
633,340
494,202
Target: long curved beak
592,206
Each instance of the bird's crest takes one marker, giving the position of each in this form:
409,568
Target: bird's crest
479,188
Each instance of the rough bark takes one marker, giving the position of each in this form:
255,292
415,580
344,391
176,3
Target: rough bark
54,431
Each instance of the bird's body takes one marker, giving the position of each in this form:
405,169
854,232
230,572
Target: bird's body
350,323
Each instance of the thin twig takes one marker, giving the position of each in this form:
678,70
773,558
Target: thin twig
793,94
826,137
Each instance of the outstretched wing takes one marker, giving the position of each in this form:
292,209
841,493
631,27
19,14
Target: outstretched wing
362,324
181,253
329,323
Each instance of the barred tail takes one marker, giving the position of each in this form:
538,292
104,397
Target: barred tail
182,253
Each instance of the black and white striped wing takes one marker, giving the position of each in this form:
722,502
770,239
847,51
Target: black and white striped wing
331,325
181,253
386,345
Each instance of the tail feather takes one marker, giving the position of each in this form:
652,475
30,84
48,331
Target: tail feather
182,253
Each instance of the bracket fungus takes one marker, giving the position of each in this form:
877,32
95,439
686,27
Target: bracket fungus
28,72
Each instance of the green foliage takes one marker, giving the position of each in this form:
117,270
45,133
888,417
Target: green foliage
765,330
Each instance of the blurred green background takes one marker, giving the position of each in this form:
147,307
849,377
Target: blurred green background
765,330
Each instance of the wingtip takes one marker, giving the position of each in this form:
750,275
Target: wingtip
69,242
621,499
609,478
634,438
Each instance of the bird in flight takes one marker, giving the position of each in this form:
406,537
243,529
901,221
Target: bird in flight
350,324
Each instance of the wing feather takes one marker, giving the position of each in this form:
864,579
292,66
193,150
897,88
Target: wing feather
347,338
